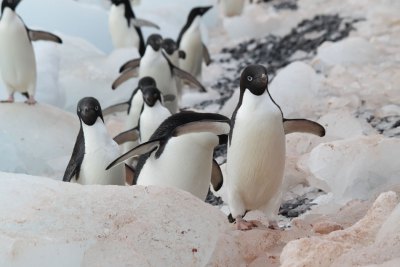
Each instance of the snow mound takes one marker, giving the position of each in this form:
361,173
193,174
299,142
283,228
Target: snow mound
37,139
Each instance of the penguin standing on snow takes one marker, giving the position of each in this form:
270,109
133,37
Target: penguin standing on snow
94,149
256,149
125,27
17,57
155,64
180,153
189,41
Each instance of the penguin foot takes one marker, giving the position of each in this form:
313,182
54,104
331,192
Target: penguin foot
30,101
244,225
9,100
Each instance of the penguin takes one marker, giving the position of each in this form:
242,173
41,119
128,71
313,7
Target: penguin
189,40
152,115
18,64
184,139
125,27
256,147
93,149
155,64
232,8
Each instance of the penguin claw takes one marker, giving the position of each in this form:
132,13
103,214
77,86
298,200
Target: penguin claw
30,101
244,225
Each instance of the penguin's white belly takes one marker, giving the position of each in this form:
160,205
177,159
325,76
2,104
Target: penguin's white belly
191,43
158,68
122,35
256,159
232,7
17,58
151,119
185,163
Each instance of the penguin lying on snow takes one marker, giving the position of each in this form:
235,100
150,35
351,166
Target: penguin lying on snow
155,63
125,27
189,40
17,57
94,149
180,153
256,149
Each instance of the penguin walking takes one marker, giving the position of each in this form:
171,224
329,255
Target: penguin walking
184,139
155,64
18,64
125,27
94,149
190,41
256,148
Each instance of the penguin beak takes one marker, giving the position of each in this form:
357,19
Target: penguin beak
205,9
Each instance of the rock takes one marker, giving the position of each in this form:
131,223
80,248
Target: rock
355,245
355,168
48,223
324,228
37,140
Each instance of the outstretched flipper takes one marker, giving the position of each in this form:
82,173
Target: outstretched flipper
216,176
144,23
206,55
137,151
131,64
43,36
218,127
189,78
303,126
126,75
121,107
131,135
129,175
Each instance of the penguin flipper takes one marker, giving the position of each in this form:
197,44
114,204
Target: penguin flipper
126,75
74,164
43,36
131,135
206,55
131,64
144,148
303,126
121,107
144,23
218,127
216,176
188,78
130,175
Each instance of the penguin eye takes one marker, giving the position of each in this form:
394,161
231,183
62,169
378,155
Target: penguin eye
79,110
96,108
249,78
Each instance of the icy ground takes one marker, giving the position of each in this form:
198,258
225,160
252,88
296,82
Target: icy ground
337,62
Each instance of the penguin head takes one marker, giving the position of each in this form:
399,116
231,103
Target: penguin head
151,95
169,46
155,41
89,110
255,79
147,81
9,3
198,11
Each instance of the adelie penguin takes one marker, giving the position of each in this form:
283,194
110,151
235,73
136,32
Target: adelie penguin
125,27
180,153
174,54
256,148
190,41
17,57
155,64
94,149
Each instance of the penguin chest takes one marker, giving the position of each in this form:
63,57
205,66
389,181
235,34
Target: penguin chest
191,43
154,64
150,120
122,34
100,150
17,64
256,156
185,163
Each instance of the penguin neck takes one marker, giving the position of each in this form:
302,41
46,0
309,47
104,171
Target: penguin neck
8,14
258,103
95,136
151,54
195,25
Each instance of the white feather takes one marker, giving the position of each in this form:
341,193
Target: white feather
122,35
256,155
17,58
150,120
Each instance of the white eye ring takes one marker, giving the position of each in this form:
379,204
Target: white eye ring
96,108
249,78
79,110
